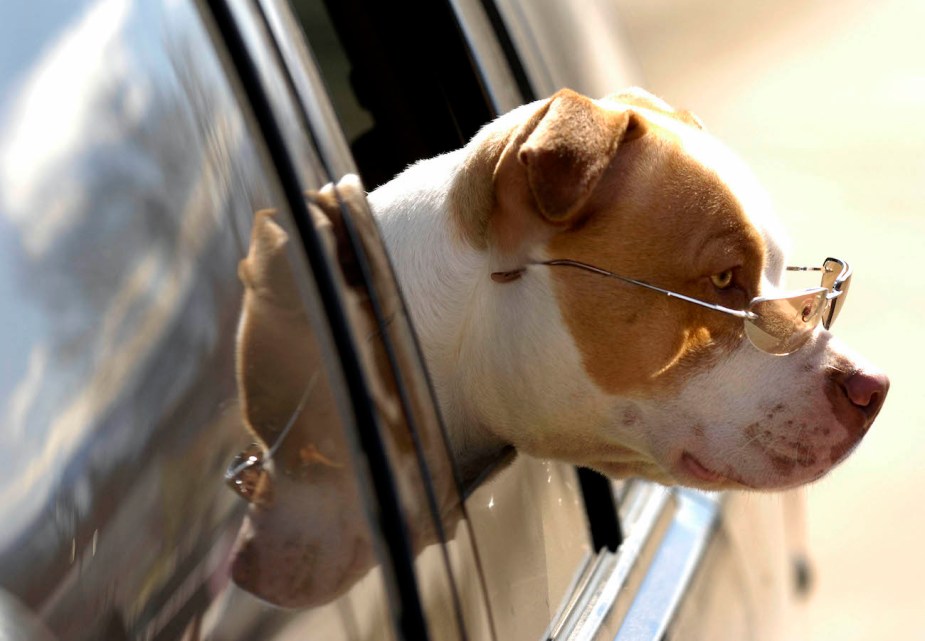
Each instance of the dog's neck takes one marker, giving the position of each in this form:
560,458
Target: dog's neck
445,283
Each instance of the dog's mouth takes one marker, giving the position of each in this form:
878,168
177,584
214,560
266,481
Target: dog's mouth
691,468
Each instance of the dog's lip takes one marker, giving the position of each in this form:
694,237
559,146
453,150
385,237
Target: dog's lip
692,467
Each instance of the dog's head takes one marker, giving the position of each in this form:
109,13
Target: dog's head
617,376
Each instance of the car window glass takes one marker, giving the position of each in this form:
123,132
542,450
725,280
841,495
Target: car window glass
402,92
402,416
585,50
146,255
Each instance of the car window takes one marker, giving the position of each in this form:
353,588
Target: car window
528,522
159,440
402,92
402,424
585,50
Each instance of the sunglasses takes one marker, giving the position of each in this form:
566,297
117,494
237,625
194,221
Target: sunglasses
779,324
246,471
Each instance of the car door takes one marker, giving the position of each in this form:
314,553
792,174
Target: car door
161,441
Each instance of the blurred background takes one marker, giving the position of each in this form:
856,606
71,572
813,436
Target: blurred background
825,101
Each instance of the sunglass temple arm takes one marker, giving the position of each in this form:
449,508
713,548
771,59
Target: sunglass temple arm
603,272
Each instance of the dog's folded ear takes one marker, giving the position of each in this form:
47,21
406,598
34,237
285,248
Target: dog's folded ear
572,142
266,269
520,183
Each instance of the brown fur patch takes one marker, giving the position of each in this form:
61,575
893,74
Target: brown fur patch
571,177
567,152
659,216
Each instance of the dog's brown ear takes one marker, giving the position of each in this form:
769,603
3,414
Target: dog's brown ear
572,143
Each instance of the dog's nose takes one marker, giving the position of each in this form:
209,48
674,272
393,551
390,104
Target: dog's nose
866,391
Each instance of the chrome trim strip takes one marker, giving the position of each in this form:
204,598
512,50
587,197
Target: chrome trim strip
575,589
627,557
672,568
634,593
610,572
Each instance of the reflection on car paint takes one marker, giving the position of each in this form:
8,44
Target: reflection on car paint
305,546
128,184
306,539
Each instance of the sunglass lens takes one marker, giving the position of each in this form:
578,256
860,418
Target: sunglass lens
245,472
832,270
782,325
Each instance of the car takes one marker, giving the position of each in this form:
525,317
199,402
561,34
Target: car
137,142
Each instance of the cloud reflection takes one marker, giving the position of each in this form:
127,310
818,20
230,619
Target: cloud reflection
114,195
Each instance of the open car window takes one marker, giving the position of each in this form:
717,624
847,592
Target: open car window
528,523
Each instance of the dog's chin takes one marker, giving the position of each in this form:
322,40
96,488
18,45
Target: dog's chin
690,472
699,471
687,471
773,474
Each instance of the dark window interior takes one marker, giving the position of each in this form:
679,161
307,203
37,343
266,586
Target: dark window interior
400,77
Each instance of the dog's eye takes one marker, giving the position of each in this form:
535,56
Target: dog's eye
722,280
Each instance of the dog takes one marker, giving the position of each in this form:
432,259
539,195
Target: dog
564,363
592,281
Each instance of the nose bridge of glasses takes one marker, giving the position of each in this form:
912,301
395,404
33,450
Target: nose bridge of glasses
835,275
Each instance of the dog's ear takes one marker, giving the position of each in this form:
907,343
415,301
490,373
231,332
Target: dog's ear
266,269
638,97
565,149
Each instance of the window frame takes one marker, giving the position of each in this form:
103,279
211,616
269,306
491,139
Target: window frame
398,570
597,491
